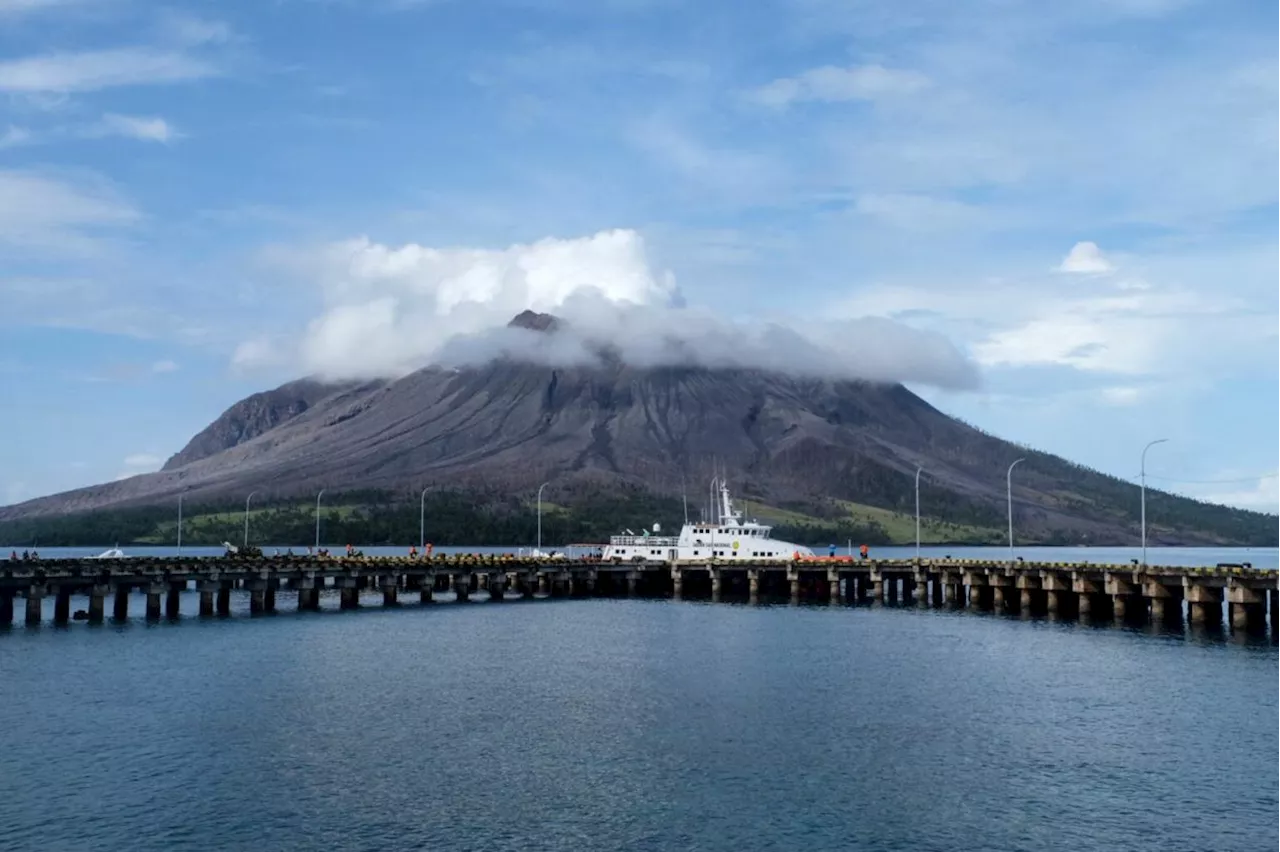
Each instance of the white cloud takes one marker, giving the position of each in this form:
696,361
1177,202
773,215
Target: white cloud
19,6
101,69
43,212
1121,395
391,310
830,83
134,127
191,30
14,137
139,463
1262,495
913,212
164,366
1085,258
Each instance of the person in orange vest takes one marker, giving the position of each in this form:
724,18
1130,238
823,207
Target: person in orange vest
863,551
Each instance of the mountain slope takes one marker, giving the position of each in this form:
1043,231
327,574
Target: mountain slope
507,427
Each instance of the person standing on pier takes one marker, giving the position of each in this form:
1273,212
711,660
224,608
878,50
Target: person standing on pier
864,551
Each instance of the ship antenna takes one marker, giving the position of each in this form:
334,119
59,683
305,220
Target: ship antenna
684,498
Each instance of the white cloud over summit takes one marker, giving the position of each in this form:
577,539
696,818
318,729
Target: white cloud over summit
1085,258
387,311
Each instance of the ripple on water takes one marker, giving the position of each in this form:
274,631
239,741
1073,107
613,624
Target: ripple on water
634,725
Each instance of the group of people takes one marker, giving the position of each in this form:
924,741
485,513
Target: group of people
864,552
27,555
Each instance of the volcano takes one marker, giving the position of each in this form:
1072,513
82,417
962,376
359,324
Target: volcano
508,426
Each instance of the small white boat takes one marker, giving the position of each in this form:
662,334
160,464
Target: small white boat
113,553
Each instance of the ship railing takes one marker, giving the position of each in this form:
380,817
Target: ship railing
644,541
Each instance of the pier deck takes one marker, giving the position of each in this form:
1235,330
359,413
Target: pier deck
1123,593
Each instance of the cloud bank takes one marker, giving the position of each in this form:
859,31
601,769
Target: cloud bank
387,311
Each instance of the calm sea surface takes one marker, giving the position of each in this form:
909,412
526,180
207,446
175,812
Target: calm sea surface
632,724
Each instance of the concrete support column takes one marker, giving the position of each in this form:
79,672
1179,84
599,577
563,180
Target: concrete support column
1024,601
938,595
633,582
349,597
877,589
208,588
97,603
1084,605
833,587
426,593
922,591
6,608
61,605
497,587
35,603
154,592
1052,601
120,606
716,584
1247,616
544,583
997,598
258,600
795,585
1119,607
389,591
1199,612
677,582
269,596
224,598
1158,612
173,599
462,587
753,584
975,597
891,588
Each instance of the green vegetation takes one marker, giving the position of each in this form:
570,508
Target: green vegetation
462,518
452,518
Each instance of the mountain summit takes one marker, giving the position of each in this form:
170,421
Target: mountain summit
810,444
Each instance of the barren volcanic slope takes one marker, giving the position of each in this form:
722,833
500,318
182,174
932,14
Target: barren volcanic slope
510,426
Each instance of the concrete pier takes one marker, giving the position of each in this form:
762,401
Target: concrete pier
349,597
62,606
1098,593
154,593
98,603
208,590
35,605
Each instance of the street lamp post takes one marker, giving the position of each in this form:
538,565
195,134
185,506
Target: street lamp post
1008,479
1143,477
318,496
918,470
422,518
246,518
179,524
540,487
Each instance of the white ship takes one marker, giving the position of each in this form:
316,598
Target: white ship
729,537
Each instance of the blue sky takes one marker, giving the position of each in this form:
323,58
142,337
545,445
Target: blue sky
1076,201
